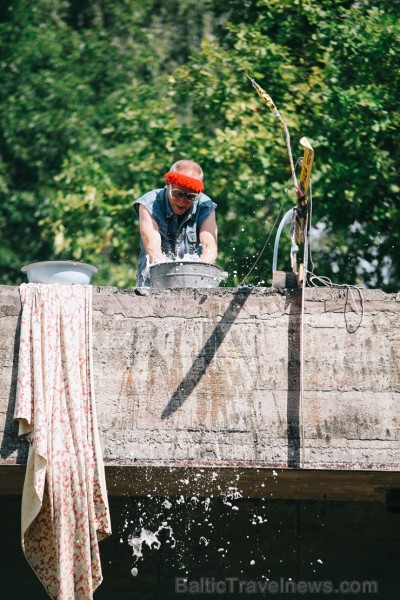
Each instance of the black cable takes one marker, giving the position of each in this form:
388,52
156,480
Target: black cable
271,230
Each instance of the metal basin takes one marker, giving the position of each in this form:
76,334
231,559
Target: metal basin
59,271
186,274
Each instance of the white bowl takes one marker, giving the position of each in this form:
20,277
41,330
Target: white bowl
59,271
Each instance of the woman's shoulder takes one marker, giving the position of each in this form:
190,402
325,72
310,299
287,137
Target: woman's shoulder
150,199
206,203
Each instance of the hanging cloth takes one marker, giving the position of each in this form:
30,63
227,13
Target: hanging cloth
64,503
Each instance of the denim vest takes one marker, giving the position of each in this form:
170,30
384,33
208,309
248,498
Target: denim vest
179,234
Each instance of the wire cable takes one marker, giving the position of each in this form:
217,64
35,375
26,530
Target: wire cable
312,278
290,182
267,240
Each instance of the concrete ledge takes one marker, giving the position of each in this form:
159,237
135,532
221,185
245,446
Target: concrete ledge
212,377
233,481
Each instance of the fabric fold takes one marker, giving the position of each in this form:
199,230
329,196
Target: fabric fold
64,503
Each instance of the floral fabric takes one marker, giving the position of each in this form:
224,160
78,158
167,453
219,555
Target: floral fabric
64,503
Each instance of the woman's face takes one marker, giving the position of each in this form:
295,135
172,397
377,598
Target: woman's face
178,198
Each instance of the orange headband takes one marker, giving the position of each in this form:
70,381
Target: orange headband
184,181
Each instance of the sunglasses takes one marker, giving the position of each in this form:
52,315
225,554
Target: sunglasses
189,196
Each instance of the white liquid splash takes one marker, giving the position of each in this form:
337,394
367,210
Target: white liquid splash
149,538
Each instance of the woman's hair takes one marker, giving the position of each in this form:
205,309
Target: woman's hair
188,167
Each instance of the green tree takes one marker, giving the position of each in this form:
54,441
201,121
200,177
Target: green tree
98,98
74,76
333,70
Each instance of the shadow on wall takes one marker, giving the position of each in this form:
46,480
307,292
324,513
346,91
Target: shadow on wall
10,442
207,353
293,305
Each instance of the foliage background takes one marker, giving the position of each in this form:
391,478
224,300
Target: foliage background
98,98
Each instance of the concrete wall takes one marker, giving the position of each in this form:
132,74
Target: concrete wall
212,377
